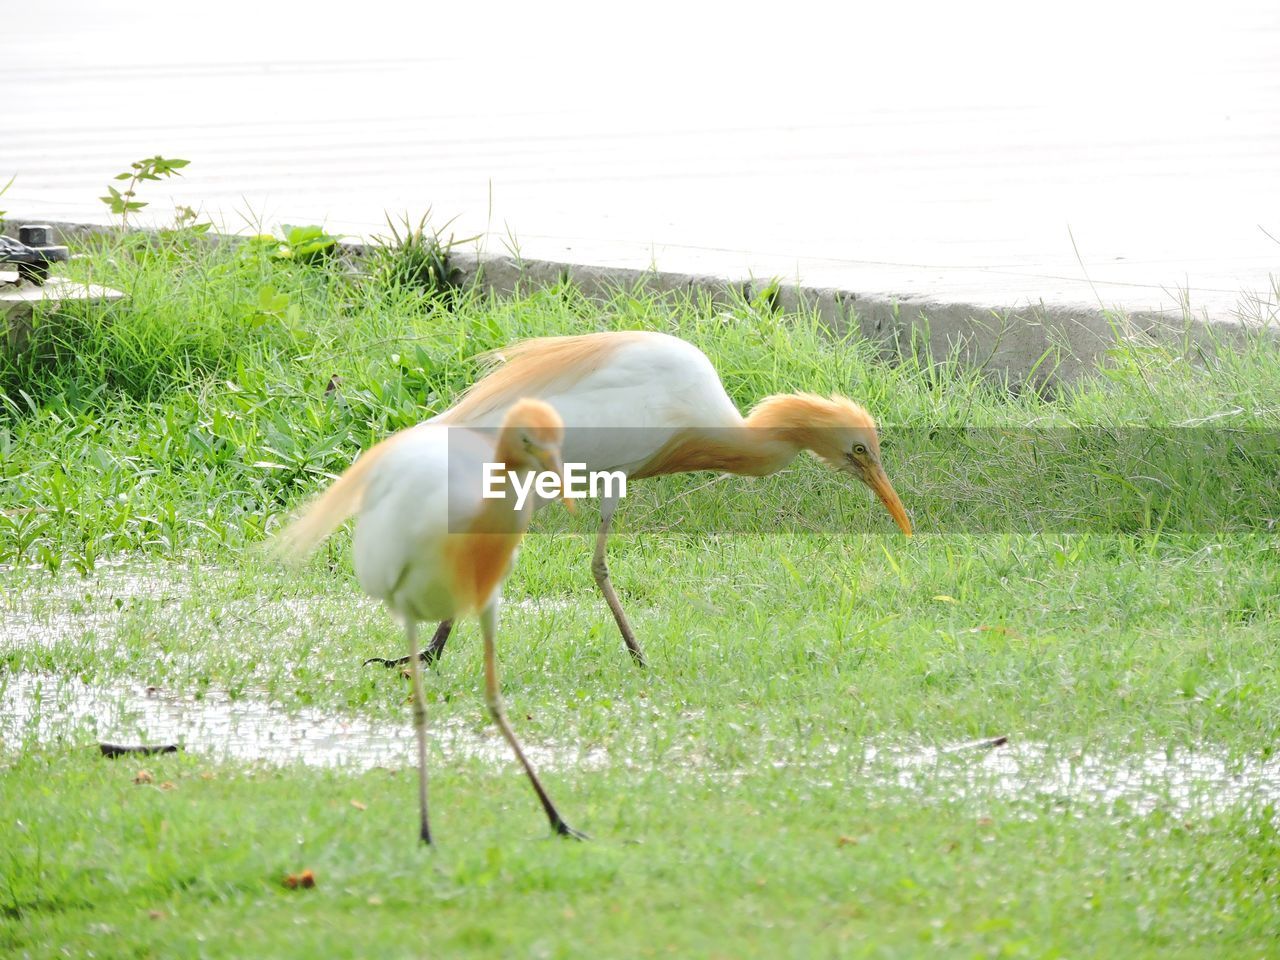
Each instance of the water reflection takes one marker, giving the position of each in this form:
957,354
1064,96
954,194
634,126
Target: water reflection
48,708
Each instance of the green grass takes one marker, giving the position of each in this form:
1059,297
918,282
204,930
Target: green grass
678,867
1095,573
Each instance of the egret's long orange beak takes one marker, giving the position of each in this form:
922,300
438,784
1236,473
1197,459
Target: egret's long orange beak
878,481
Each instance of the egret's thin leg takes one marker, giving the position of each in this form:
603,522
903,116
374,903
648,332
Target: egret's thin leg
419,725
429,655
493,697
436,646
600,568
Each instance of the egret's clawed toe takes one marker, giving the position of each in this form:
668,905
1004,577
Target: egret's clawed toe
562,829
383,661
428,656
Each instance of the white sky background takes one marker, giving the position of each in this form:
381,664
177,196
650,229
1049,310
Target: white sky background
791,136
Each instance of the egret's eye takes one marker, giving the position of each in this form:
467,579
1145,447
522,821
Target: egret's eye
859,449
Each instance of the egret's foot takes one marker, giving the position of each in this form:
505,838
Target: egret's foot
429,655
426,656
425,836
562,829
397,662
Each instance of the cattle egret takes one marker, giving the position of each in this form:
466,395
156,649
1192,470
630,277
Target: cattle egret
431,547
649,404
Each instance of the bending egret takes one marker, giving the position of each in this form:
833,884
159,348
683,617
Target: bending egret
650,404
431,547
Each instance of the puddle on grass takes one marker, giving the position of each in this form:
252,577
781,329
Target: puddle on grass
125,579
46,708
73,608
1042,776
1180,781
93,611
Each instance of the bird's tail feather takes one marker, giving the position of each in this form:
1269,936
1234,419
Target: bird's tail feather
326,513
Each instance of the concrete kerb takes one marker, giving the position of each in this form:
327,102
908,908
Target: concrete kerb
1037,343
504,274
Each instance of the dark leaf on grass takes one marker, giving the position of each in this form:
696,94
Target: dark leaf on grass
119,750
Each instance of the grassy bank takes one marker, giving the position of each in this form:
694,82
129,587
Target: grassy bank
1095,576
771,866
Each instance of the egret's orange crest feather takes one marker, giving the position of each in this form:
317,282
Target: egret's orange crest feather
815,423
479,559
802,411
530,368
768,439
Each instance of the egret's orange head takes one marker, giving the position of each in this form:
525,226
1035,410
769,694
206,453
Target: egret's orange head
840,432
536,426
532,436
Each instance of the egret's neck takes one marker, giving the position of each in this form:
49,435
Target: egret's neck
749,449
499,514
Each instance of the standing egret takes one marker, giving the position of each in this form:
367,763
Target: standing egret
431,546
650,404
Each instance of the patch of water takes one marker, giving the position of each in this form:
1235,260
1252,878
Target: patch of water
47,708
92,610
53,609
1180,781
126,579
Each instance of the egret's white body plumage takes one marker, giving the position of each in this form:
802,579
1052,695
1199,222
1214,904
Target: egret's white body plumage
423,488
430,545
624,403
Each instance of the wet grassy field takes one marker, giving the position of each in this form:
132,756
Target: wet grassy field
1095,577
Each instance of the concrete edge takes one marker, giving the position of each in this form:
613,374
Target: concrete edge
1034,344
